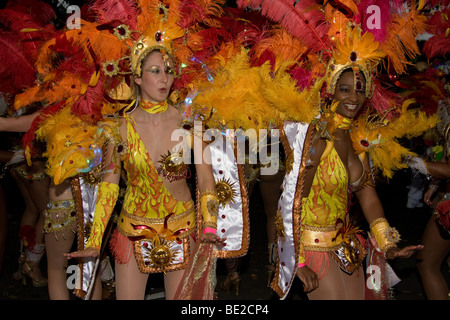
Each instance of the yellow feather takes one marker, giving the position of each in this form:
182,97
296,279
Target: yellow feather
94,79
68,141
379,137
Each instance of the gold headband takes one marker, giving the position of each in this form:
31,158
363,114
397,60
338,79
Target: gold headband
358,52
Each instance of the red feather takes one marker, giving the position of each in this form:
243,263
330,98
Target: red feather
110,10
439,22
42,13
384,99
266,55
68,57
437,46
19,22
89,106
17,70
303,77
19,49
304,19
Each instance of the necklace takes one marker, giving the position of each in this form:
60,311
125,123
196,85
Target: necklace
342,122
153,108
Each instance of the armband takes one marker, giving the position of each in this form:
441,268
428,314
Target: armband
107,195
209,206
385,236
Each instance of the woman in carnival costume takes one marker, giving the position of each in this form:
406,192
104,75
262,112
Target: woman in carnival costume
333,157
63,69
21,22
340,127
157,226
85,78
436,237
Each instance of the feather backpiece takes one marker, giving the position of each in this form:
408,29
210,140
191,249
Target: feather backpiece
379,137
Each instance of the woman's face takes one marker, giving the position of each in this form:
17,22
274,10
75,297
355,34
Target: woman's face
350,99
157,77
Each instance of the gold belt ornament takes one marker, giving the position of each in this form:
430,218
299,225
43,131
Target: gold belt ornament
155,239
170,227
341,242
321,238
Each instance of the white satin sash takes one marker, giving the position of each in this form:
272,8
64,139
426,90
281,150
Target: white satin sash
232,220
288,262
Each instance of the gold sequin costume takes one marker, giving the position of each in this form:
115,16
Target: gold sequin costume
151,217
59,216
325,226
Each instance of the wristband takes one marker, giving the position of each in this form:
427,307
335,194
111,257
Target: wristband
209,229
209,206
385,236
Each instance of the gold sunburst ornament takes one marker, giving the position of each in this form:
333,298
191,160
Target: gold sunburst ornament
226,191
279,226
161,252
172,166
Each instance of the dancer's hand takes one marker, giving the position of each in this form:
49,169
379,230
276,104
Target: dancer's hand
428,196
405,252
88,252
210,237
309,279
18,156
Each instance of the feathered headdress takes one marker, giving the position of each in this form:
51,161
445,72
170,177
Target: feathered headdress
356,51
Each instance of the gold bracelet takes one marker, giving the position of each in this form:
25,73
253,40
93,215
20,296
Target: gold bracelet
209,206
386,236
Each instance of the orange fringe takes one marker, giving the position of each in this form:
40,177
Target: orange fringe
121,247
318,261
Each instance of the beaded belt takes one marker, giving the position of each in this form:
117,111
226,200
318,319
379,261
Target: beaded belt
59,216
